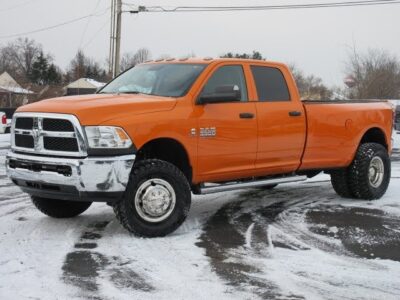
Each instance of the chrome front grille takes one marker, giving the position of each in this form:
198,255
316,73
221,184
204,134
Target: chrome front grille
48,134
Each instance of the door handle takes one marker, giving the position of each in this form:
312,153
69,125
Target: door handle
294,113
246,115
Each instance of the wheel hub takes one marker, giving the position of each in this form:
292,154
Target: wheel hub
155,200
376,172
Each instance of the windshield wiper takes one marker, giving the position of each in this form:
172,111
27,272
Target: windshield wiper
130,92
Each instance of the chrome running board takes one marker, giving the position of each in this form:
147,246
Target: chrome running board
250,184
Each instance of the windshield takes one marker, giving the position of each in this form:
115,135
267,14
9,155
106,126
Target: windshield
169,80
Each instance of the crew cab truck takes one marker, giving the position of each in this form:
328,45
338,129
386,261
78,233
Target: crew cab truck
166,129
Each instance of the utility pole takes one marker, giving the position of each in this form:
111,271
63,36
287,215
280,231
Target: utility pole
115,37
111,53
118,38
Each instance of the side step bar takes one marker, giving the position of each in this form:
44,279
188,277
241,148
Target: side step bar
251,184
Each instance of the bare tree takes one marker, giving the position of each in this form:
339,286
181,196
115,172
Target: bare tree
310,87
78,65
6,65
129,60
18,56
376,74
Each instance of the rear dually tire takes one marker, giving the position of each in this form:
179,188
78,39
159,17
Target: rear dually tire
369,174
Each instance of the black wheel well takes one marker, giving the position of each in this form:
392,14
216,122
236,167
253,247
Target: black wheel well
374,135
169,150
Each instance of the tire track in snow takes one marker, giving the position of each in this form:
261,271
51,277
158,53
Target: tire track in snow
232,234
245,241
85,265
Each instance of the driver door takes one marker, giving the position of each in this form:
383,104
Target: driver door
227,129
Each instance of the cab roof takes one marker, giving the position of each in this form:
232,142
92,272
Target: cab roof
207,60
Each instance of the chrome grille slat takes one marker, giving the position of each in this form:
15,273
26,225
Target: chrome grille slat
64,134
59,134
23,131
68,141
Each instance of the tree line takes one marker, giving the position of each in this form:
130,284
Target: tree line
374,74
26,61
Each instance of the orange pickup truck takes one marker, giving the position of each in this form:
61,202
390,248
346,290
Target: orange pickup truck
166,129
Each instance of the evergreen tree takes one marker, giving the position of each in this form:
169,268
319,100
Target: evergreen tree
43,72
53,75
39,70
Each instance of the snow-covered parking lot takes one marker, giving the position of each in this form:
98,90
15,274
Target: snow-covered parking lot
298,241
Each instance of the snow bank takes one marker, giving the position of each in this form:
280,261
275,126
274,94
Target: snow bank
396,140
5,140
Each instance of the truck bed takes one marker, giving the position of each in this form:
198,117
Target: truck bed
335,129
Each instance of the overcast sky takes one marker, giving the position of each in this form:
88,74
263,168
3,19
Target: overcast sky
317,40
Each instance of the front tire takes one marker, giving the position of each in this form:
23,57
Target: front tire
369,174
157,199
60,209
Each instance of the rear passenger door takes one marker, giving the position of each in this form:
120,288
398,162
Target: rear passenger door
280,119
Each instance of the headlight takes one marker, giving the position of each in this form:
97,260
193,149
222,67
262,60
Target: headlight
107,137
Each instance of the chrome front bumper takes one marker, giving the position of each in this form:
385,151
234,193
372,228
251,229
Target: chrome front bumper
48,176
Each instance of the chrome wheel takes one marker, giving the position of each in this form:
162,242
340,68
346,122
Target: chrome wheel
155,200
376,172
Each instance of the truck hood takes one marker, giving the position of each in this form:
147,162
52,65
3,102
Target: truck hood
98,108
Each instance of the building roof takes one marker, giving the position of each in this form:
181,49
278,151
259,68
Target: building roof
7,80
9,85
85,83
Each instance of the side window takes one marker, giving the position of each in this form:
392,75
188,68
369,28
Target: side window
271,84
225,76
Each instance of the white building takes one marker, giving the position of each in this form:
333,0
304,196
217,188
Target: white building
10,90
83,86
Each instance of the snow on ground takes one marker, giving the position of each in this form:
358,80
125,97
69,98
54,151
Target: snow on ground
293,242
396,140
5,140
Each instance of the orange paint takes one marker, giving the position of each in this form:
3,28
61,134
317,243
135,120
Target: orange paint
324,135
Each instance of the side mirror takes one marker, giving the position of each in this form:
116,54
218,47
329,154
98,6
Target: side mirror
221,94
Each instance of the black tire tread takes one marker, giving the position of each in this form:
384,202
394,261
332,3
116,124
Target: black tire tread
340,183
358,172
60,209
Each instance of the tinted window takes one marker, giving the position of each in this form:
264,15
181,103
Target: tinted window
227,75
270,83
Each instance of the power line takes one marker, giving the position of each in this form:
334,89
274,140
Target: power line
87,23
16,6
53,26
154,9
95,34
270,7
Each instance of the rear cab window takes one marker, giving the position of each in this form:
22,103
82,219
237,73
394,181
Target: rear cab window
270,84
